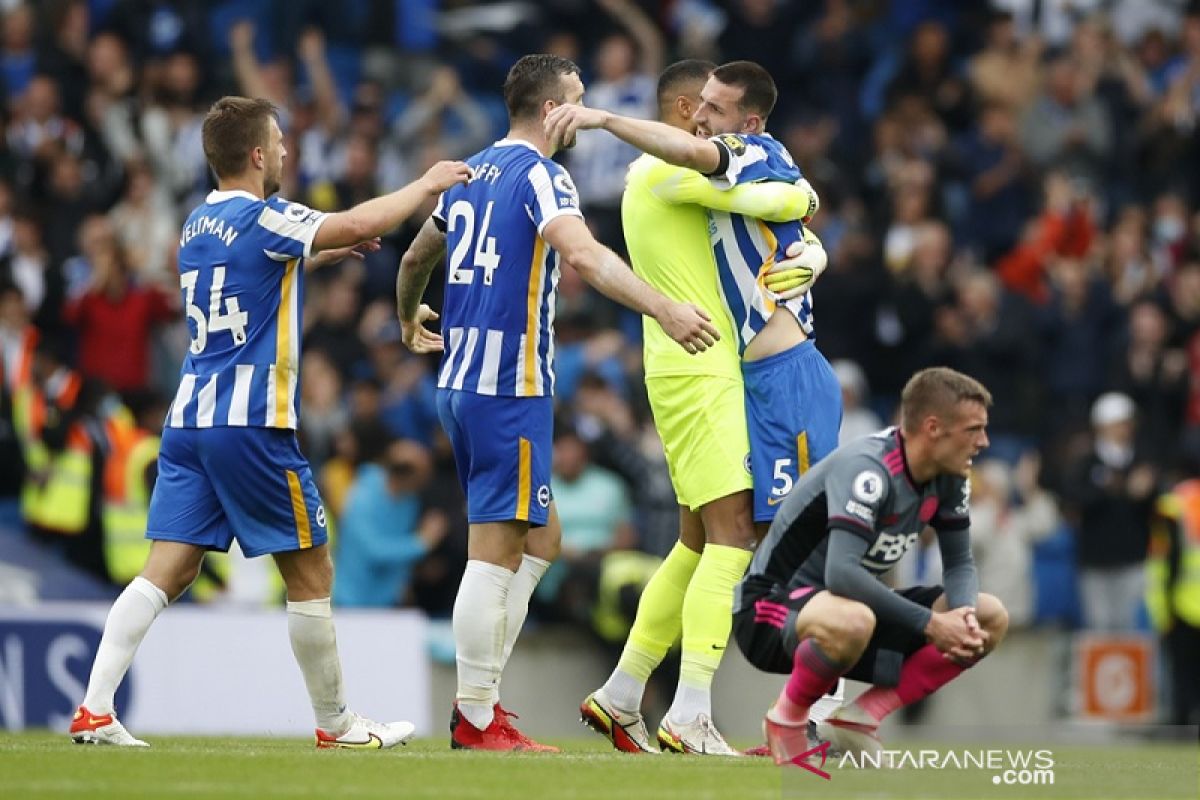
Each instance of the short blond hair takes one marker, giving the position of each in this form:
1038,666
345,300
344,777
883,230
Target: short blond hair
938,391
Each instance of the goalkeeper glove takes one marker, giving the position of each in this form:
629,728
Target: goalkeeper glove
795,275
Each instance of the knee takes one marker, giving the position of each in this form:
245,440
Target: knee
857,623
993,618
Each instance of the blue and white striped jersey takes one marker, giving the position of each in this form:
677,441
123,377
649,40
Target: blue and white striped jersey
243,292
744,247
501,276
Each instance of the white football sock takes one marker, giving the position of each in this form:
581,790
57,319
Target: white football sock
480,612
524,581
623,691
690,702
314,643
131,615
826,703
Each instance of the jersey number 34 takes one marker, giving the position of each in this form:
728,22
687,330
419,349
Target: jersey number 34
233,319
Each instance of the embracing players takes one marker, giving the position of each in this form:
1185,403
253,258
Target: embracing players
791,402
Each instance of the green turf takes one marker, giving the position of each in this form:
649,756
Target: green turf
39,765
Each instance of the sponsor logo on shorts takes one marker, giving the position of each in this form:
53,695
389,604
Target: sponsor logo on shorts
543,496
774,501
746,464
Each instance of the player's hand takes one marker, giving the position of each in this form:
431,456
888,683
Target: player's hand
688,325
956,634
417,337
355,251
796,274
444,174
564,121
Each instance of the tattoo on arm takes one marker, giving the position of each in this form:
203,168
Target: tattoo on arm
413,277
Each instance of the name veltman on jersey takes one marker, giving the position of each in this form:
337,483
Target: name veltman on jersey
745,248
497,374
229,466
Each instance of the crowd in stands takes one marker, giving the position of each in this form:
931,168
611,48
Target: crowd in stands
1008,188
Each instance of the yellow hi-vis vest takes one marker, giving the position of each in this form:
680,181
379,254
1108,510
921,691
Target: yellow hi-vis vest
1176,527
58,485
126,507
619,569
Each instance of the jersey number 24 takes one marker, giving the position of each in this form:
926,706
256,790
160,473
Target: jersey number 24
462,214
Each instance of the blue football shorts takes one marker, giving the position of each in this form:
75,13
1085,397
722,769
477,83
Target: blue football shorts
793,412
250,484
502,449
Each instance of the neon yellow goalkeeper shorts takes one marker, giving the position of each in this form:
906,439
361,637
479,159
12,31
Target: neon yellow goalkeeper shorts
701,420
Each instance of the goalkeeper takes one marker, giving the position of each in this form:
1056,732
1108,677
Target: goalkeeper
791,403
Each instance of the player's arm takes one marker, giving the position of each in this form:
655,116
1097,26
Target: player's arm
950,631
427,249
846,576
773,201
687,324
378,216
671,144
959,575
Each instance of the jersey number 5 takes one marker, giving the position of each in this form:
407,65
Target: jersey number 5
233,320
462,214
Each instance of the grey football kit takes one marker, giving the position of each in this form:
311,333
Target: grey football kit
848,521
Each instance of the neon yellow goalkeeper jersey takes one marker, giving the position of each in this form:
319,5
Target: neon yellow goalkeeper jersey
666,233
668,245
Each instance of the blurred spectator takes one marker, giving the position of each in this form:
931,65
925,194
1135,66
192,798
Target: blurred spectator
1077,330
1110,492
1067,127
382,531
1009,514
858,419
593,507
993,170
627,64
322,413
1155,377
28,266
115,319
147,228
1005,71
19,59
928,72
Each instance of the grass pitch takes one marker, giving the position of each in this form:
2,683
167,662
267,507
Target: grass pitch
38,766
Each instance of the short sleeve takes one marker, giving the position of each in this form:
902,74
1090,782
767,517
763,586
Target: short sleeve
288,229
856,494
749,159
954,505
553,194
439,213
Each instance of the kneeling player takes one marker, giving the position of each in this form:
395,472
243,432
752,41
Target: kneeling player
812,604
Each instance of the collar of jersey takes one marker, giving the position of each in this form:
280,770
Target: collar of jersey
516,142
216,196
